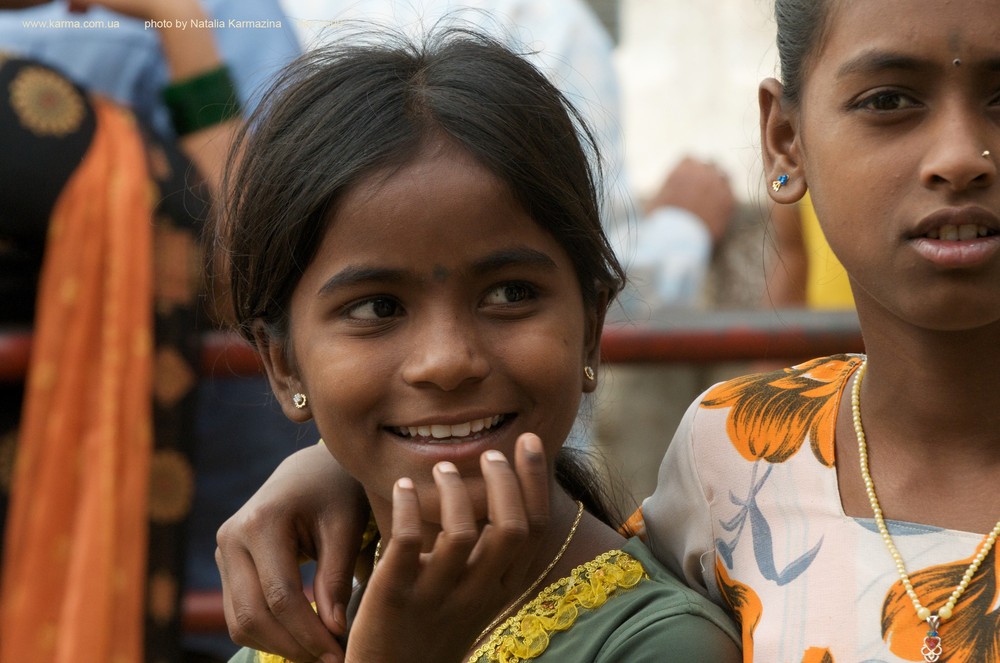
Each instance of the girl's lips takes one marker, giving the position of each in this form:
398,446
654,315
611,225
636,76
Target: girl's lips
957,254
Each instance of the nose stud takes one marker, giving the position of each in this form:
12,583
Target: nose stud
985,154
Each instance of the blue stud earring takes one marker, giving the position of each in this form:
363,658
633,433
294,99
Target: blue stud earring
780,182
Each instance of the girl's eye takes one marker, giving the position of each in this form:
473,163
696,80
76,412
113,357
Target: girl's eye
509,293
377,308
887,101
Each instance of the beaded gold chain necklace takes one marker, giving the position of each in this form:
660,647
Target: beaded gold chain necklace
932,648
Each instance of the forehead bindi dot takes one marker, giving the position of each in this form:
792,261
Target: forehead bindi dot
440,273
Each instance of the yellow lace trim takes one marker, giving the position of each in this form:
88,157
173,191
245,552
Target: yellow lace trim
557,607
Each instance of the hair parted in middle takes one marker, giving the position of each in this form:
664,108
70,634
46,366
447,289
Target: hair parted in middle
369,103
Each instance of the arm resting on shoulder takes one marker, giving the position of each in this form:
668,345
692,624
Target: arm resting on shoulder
308,507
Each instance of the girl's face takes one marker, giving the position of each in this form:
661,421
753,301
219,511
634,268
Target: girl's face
897,109
436,321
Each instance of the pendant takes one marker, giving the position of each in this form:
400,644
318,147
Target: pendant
931,650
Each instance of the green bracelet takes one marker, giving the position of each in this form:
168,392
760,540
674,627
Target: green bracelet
202,101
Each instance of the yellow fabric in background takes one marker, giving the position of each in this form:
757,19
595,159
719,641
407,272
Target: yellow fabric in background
827,285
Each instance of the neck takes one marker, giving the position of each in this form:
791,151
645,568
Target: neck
938,390
928,412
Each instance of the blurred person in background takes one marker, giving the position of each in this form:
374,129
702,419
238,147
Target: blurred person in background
665,244
177,82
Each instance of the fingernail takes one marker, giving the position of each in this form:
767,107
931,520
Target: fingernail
340,616
447,468
495,456
533,445
405,483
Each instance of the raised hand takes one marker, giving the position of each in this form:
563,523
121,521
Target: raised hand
434,606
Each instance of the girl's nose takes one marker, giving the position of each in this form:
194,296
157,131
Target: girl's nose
446,354
962,155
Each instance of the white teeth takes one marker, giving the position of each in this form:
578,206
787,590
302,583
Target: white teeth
445,431
967,231
961,233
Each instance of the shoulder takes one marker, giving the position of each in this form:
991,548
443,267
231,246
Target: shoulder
662,615
832,371
667,596
769,415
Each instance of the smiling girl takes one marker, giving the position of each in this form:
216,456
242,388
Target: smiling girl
415,250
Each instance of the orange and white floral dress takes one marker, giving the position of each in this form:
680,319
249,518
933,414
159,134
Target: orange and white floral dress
748,512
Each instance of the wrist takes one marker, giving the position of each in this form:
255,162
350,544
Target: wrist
201,101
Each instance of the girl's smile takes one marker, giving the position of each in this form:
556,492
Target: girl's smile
439,433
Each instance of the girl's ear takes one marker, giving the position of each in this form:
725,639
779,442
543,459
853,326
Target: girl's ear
780,143
281,373
592,342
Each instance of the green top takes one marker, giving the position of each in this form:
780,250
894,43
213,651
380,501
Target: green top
657,619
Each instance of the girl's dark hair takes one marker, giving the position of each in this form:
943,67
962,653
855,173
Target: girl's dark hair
602,496
340,114
801,27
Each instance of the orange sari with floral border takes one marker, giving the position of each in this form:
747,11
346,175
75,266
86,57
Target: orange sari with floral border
75,545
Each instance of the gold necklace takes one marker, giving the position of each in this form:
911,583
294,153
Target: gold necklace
548,569
931,649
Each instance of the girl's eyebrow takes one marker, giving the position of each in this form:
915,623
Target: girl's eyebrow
518,255
875,61
353,275
357,274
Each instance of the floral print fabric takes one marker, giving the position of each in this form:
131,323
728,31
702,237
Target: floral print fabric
748,512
